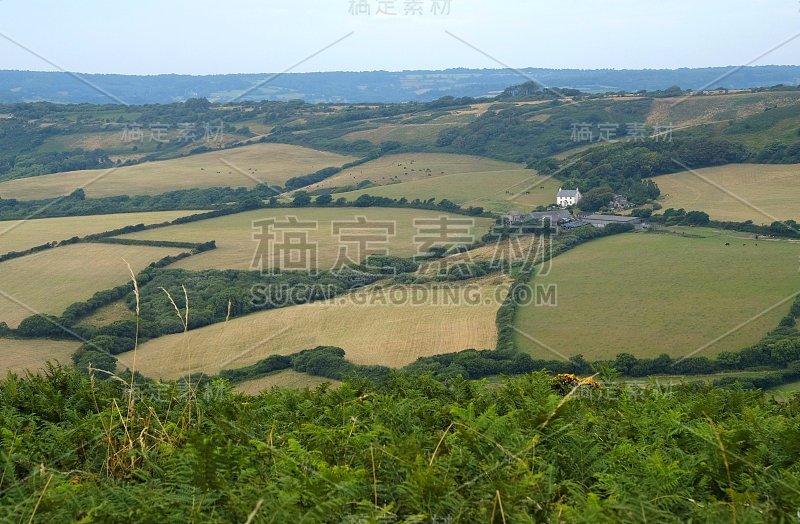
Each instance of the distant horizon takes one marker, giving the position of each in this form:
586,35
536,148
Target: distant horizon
523,68
200,37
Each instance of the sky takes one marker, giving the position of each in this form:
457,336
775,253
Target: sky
265,36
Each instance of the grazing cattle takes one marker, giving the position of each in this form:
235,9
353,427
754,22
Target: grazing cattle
727,243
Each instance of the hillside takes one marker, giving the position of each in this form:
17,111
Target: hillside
738,192
238,245
19,235
374,327
239,167
650,294
374,86
49,281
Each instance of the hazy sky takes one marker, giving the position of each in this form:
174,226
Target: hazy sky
202,37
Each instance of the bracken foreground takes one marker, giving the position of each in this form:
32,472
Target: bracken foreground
530,449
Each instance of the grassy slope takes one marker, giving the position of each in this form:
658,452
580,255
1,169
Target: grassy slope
370,333
287,378
410,134
236,247
683,111
108,314
51,280
21,355
413,166
270,163
772,192
519,189
649,294
18,235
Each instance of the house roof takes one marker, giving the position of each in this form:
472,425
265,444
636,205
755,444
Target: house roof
555,215
576,224
611,218
567,193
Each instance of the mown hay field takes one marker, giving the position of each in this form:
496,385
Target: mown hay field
18,235
391,169
758,192
649,294
238,167
51,280
372,326
517,189
236,247
288,378
19,356
415,134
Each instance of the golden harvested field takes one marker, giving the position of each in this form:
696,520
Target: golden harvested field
517,189
426,133
372,326
511,249
239,167
51,280
412,166
648,294
18,235
772,189
236,247
19,356
288,378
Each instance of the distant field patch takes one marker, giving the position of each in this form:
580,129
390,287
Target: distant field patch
111,140
287,378
236,247
109,314
392,334
773,189
237,167
648,294
703,109
517,189
406,167
18,235
18,356
426,133
51,280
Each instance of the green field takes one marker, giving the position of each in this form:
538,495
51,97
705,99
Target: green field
738,192
236,247
19,356
406,167
787,389
676,380
18,235
238,167
648,294
51,280
518,189
107,314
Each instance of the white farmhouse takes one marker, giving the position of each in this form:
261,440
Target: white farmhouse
568,197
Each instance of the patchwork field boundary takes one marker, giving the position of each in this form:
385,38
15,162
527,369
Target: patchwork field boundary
105,236
78,310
